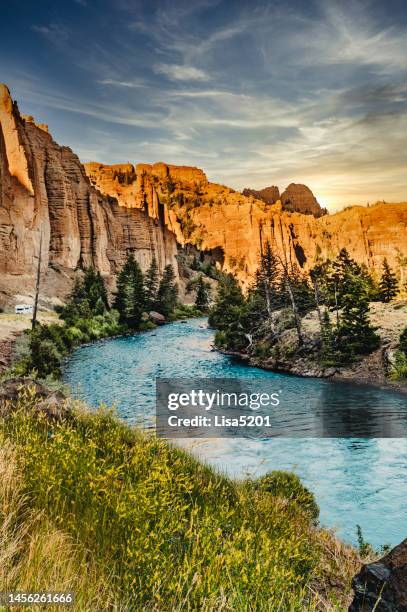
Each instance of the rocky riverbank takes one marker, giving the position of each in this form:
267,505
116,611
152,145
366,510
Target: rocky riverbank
374,369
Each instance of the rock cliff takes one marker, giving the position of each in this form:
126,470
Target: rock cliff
44,189
231,226
296,198
94,214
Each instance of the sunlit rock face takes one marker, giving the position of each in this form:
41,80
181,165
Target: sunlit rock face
44,189
232,225
296,198
94,214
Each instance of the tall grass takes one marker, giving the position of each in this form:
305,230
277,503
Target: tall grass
34,553
121,516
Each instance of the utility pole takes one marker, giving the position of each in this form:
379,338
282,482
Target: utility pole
37,286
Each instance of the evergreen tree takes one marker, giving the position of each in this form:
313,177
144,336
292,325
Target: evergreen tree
202,294
356,335
229,314
329,355
388,283
88,297
167,294
130,298
151,284
267,280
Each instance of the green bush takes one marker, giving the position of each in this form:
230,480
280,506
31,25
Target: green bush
399,367
147,326
290,487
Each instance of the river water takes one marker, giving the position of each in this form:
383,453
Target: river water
356,481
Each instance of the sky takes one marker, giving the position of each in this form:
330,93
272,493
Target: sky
256,93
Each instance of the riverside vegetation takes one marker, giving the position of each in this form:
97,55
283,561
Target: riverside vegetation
340,291
88,316
129,522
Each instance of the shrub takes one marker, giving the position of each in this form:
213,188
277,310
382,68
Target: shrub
399,367
290,487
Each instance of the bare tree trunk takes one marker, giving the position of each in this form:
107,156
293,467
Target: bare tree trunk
37,286
316,294
297,317
336,308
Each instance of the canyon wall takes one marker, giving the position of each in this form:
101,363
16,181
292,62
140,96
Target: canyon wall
94,214
44,189
232,225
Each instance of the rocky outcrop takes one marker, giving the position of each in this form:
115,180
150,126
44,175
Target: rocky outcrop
299,198
94,214
44,190
269,195
296,198
231,226
382,586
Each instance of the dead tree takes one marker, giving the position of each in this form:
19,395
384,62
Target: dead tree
37,286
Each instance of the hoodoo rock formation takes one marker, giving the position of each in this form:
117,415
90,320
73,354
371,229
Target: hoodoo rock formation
296,198
44,189
232,226
92,215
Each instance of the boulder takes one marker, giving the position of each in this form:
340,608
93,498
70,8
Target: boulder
382,585
156,317
52,404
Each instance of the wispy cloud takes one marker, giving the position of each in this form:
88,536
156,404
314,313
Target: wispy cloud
179,72
258,93
135,83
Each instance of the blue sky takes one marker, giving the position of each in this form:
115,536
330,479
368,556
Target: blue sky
255,93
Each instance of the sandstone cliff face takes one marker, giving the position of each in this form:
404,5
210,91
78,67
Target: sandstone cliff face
296,198
44,188
232,226
299,198
269,195
94,214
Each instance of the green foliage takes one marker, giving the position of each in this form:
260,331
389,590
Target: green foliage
230,313
356,336
203,293
388,283
328,354
88,297
130,296
167,294
151,285
289,486
185,311
399,367
365,549
165,531
403,341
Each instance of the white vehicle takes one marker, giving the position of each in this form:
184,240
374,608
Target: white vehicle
23,309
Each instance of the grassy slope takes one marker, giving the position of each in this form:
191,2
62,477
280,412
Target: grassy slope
121,517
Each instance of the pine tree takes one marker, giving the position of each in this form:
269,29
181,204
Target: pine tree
267,278
229,314
329,355
130,298
88,296
356,335
388,283
151,284
167,294
202,294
